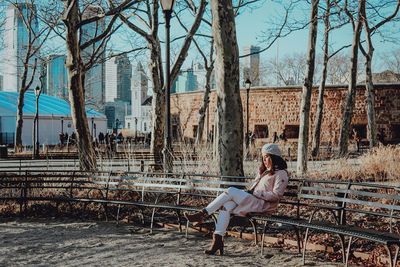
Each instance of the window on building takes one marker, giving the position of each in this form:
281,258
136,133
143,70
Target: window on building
175,132
361,130
144,127
291,131
129,125
195,130
260,131
395,131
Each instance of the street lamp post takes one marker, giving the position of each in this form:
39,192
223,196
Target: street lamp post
136,129
62,125
38,91
167,6
248,85
92,126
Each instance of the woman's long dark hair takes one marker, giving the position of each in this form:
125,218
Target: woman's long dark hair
278,163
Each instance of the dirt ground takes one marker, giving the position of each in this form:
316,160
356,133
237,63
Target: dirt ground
46,242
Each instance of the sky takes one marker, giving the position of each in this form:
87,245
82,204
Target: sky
251,24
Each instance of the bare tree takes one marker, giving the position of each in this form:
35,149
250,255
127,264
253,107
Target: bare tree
229,104
77,67
208,66
302,151
148,16
27,61
369,90
350,98
321,89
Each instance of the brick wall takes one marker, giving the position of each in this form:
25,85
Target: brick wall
278,108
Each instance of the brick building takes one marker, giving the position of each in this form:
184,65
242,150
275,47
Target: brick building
277,110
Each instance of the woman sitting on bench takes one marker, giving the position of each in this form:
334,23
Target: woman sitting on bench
263,196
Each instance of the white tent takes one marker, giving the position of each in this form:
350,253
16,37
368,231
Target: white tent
54,118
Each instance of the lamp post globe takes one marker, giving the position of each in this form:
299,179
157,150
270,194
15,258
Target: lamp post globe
167,6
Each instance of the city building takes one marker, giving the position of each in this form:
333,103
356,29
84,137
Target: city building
15,38
57,81
185,82
116,112
283,105
95,76
251,65
118,79
140,119
54,118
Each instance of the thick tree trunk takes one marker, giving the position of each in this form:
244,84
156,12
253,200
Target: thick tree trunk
320,102
158,103
204,107
302,155
350,98
76,81
230,122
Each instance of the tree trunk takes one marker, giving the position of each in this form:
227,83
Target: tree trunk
351,93
230,121
302,155
20,111
158,103
321,90
204,107
369,86
21,96
76,81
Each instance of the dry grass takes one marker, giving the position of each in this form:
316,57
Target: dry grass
379,164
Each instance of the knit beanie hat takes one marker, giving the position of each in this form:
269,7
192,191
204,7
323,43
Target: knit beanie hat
272,149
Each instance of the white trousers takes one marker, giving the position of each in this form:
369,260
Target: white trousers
226,202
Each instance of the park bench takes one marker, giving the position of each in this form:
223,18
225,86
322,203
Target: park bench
352,210
154,191
363,211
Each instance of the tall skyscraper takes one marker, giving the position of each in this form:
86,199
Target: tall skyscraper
57,82
251,65
15,38
118,79
95,76
185,82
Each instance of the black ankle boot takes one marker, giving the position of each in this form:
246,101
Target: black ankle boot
196,217
217,244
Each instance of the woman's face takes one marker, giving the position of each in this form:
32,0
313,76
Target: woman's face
267,161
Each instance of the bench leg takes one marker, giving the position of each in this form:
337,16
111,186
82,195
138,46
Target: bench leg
396,254
348,251
263,238
390,255
118,210
298,239
254,224
342,243
305,246
152,220
178,214
187,228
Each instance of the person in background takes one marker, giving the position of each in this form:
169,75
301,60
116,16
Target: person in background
263,196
